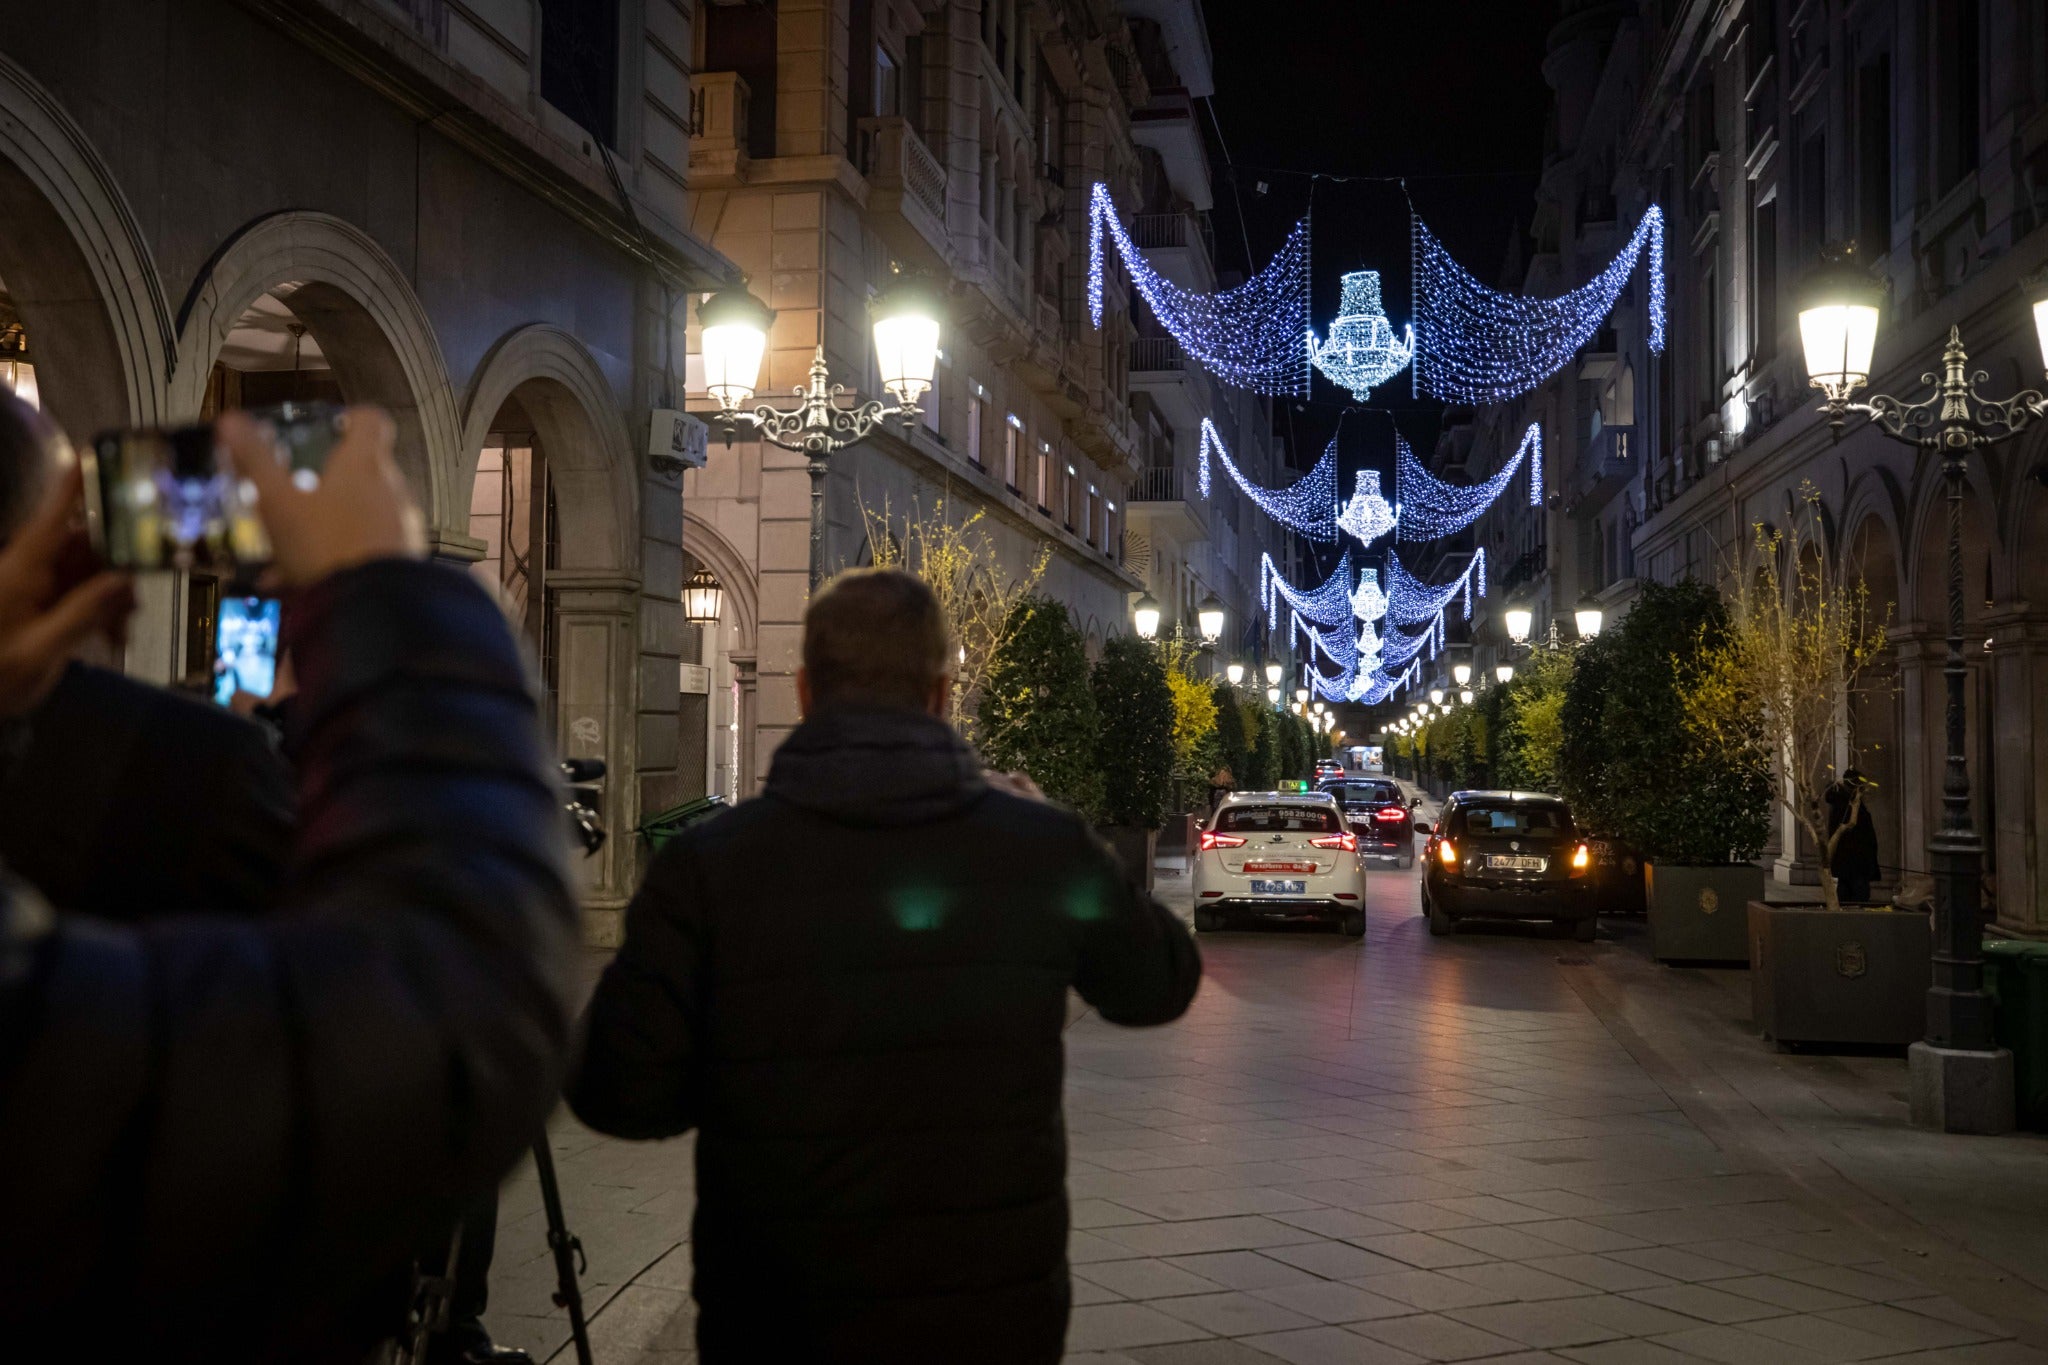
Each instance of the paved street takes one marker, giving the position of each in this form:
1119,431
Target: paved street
1504,1146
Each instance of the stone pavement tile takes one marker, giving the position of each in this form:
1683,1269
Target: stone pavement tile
1084,1248
1421,1250
1200,1353
1336,1167
1116,1326
1601,1272
1335,1260
1207,1234
1097,1358
1948,1310
1087,1291
1628,1317
1144,1278
1434,1337
1985,1353
1242,1270
1830,1340
1542,1325
1186,1205
1789,1295
1760,1257
1707,1303
1828,1248
1421,1216
1676,1263
1567,1203
1626,1353
1337,1223
1488,1208
1579,1235
1330,1346
1522,1282
1504,1243
1432,1291
1101,1213
1740,1346
1915,1331
1234,1314
1336,1303
1396,1189
1873,1283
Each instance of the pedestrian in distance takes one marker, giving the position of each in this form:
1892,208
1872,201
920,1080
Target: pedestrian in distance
1854,860
1221,784
854,988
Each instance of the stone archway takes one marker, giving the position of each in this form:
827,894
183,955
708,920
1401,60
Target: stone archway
360,308
79,270
731,654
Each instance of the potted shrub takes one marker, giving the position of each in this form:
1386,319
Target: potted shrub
1134,747
1037,712
1799,641
1699,814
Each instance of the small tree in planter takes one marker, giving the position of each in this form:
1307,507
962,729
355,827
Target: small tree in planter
1582,753
1231,751
1037,711
1530,729
1134,746
1259,723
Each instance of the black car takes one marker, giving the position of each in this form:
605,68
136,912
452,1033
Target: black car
1508,855
1379,815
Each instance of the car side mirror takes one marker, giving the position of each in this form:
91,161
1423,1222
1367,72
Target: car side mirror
1424,827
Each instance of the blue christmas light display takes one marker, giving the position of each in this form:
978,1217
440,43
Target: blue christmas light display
1328,604
1431,508
1410,601
1306,506
1367,516
1362,352
1369,602
1477,345
1253,336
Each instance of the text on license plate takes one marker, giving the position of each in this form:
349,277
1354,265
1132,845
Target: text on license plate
1272,866
1516,862
1287,888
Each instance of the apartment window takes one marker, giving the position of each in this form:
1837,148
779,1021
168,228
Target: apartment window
1111,529
888,88
1874,158
1710,342
1013,437
910,100
579,63
1088,527
1763,290
1813,197
1958,66
1044,480
1052,127
977,403
1072,497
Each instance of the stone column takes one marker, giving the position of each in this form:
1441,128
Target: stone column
596,645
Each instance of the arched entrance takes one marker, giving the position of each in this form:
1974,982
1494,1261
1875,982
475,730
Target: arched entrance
2018,631
719,728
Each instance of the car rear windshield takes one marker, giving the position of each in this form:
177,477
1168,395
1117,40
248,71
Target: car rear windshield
1364,793
1532,819
1277,820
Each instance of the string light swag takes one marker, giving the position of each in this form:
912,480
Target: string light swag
1326,605
1362,352
1305,506
1477,345
1431,508
1252,337
1367,516
1410,602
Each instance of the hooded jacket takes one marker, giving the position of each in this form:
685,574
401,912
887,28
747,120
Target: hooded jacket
854,988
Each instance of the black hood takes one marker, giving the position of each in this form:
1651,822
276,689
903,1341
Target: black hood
876,767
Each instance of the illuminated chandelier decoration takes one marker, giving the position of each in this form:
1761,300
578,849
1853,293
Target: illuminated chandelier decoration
1367,516
1305,506
1369,602
1478,345
1361,353
1431,508
1253,336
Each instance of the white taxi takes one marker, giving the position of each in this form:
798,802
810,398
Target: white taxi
1280,855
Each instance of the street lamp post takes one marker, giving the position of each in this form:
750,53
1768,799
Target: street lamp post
1961,1081
735,338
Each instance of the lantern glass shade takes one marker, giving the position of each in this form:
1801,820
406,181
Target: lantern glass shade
1273,695
703,599
906,321
16,373
1838,310
2038,294
1588,618
1273,674
735,338
1318,706
1504,673
1461,674
1145,616
1466,696
1436,696
1519,619
1234,672
1297,708
1209,616
1301,694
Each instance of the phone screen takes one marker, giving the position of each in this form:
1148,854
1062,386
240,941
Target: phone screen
245,647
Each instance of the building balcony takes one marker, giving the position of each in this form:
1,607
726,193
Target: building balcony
720,104
1607,462
1164,502
906,189
1180,246
1160,369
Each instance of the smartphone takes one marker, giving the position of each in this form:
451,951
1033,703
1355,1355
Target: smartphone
165,499
245,647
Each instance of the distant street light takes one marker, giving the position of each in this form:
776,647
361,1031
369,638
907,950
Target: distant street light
1504,673
1209,617
1519,619
1461,674
1466,696
1273,673
1436,696
1587,617
1273,695
1145,616
1234,672
1301,694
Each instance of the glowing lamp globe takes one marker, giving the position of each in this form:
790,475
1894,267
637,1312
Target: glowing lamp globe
703,599
1234,672
1466,696
1461,674
1273,674
1838,310
1504,673
2037,295
1436,696
1273,695
735,337
1301,694
1518,621
1145,616
1209,617
906,322
1588,617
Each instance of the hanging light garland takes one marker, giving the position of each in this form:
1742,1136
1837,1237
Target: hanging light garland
1252,337
1367,516
1305,506
1478,345
1431,508
1326,605
1361,353
1410,601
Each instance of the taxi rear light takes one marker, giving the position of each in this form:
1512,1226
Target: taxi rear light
1211,839
1390,813
1347,842
1212,895
1447,853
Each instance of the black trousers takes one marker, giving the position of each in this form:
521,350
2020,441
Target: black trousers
472,1267
1852,888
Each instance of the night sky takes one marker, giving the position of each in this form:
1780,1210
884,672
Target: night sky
1449,94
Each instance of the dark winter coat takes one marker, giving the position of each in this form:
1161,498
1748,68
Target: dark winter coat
130,800
217,1134
1855,855
854,988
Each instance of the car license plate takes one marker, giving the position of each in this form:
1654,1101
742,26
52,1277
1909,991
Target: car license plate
1287,888
1516,862
1270,865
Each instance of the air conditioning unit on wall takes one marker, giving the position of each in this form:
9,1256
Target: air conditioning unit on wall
676,441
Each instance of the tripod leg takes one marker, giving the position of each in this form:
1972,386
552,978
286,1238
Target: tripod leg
568,1250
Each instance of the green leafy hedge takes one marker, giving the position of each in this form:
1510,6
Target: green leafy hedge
1037,709
1134,745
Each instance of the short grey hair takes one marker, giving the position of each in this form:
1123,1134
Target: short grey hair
31,451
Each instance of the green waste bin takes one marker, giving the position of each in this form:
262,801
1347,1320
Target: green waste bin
2016,978
657,830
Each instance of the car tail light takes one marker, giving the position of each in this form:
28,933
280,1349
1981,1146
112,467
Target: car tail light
1347,842
1582,858
1390,813
1447,853
1211,839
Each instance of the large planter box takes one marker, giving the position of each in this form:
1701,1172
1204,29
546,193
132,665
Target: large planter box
1699,914
1839,976
1134,845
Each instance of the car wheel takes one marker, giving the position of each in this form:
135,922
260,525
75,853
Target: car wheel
1352,925
1208,921
1585,930
1441,923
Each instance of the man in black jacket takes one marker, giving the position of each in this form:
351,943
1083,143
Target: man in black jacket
217,1135
854,988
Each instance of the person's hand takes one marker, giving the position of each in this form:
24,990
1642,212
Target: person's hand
361,510
1016,784
46,612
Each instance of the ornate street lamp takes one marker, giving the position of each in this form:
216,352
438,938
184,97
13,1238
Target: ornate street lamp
1436,696
1209,618
1961,1081
1273,696
1519,619
735,339
1234,672
1588,617
1461,673
703,598
1465,696
1273,673
1504,674
1301,695
1145,617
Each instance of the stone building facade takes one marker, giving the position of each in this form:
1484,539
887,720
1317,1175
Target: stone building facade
471,214
1766,130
